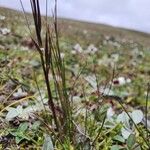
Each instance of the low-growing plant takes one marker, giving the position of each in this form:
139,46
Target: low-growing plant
63,120
76,113
49,51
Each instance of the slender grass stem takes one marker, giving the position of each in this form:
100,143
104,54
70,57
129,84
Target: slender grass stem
146,108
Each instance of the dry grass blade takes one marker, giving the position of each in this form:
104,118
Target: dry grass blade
37,19
52,62
38,27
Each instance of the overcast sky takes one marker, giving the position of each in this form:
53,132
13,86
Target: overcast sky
134,14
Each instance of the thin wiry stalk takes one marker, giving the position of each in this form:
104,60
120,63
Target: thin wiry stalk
146,108
61,72
53,69
51,61
78,129
27,22
99,132
56,30
37,19
37,22
86,112
112,78
71,93
38,88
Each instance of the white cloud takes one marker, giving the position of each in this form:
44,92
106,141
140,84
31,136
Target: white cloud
133,14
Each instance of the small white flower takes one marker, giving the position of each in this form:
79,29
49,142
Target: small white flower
116,44
73,52
78,48
115,57
106,61
106,91
62,55
20,93
2,17
76,100
91,49
124,41
85,31
104,42
4,31
128,80
107,37
42,49
121,81
110,112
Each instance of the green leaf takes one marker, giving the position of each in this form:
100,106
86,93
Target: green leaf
13,133
126,132
48,145
124,118
115,147
18,139
119,138
13,112
137,148
23,127
35,63
36,125
137,116
131,141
